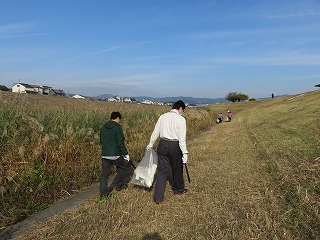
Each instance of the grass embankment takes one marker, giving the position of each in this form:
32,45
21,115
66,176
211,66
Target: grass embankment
256,177
49,146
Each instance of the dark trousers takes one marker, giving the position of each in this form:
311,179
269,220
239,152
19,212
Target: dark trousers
124,173
169,156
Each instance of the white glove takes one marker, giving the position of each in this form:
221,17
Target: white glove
149,147
126,157
185,158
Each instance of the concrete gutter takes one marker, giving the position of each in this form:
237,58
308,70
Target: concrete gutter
31,222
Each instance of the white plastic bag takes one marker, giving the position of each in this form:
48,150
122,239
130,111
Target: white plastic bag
144,173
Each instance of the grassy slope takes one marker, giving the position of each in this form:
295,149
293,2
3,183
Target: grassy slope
256,177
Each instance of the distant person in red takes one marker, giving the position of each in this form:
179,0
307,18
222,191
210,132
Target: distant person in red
229,116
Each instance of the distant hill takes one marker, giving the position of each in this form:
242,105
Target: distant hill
278,96
105,96
189,100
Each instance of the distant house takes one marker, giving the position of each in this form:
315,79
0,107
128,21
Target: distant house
37,89
47,90
147,102
127,100
77,96
168,103
114,99
4,88
22,88
57,92
158,103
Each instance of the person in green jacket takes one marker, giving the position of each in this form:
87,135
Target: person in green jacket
114,153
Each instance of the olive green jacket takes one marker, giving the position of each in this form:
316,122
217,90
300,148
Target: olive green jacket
112,140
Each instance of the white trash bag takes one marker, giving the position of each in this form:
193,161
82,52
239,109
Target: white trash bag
144,173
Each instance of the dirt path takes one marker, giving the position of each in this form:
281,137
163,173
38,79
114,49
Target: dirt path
230,198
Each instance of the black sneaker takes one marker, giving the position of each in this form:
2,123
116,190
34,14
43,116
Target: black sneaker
123,187
183,191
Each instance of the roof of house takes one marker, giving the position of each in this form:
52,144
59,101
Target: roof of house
58,91
78,96
36,86
4,88
25,85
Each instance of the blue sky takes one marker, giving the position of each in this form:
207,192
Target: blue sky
198,48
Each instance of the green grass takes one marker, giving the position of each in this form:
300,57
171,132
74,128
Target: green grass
288,131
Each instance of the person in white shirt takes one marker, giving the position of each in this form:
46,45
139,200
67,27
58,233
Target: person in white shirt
172,150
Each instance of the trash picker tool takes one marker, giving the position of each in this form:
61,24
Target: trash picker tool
131,163
185,165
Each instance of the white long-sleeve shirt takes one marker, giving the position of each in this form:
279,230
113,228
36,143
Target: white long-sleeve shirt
171,125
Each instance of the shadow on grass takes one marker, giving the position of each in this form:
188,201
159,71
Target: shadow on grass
152,236
144,188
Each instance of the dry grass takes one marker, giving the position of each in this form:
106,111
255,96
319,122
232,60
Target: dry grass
242,173
226,200
49,146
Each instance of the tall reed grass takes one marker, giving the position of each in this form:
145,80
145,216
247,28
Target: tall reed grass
50,146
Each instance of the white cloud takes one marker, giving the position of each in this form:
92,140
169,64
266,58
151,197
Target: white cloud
15,28
293,15
274,60
23,35
108,49
254,32
118,81
130,45
282,9
159,57
139,44
298,78
19,29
